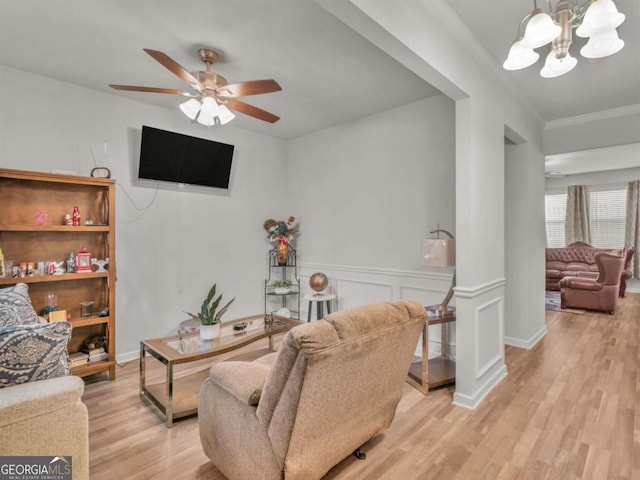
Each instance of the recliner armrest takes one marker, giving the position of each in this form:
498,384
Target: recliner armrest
581,283
244,380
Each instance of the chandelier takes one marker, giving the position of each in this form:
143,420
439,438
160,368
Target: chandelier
596,20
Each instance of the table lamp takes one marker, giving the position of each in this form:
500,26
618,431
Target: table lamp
440,252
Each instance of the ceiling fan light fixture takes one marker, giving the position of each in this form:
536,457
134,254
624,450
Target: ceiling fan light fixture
190,108
554,66
602,16
540,30
520,57
209,107
206,120
602,45
225,115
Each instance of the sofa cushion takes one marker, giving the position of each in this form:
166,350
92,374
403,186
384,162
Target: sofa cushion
33,352
15,306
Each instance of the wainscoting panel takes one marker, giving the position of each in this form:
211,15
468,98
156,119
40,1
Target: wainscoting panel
489,346
355,286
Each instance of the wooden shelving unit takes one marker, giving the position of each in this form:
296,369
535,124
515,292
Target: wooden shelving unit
23,195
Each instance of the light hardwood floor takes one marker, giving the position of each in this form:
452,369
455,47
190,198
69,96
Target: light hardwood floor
569,409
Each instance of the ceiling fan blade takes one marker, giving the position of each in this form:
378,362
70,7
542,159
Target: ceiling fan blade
251,110
133,88
174,67
253,87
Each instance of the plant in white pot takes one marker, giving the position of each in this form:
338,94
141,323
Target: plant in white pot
209,316
281,287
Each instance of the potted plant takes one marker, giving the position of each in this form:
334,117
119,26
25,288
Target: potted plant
209,315
281,287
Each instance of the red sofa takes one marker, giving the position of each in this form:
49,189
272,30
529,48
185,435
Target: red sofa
579,260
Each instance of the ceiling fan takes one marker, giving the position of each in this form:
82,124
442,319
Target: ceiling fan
212,97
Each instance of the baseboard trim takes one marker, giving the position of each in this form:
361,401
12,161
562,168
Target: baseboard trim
128,356
472,401
528,344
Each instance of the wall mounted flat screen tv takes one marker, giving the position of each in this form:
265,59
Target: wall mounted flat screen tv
174,157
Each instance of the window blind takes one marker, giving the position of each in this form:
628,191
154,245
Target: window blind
555,207
607,210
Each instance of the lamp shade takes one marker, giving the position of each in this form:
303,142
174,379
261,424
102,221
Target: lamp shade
438,252
602,45
209,107
225,115
540,30
554,67
190,108
602,16
520,57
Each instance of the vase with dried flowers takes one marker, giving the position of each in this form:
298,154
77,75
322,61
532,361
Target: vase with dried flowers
282,233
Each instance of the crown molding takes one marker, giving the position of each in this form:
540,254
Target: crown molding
591,117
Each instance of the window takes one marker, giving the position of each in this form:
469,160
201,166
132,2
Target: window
555,207
607,217
607,211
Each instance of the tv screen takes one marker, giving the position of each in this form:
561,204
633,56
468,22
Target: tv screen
173,157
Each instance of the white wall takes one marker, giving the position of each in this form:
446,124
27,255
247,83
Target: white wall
605,129
524,246
428,38
170,253
368,191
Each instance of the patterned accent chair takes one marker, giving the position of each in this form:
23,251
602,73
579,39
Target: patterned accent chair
595,294
333,385
41,412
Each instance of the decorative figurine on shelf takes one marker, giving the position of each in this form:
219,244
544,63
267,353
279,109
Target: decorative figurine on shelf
83,261
76,216
100,264
282,233
71,263
58,268
40,216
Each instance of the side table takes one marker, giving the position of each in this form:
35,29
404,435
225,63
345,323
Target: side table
319,299
427,374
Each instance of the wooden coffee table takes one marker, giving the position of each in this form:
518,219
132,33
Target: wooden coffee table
178,397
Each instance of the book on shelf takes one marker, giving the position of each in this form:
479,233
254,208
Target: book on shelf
98,357
78,358
92,351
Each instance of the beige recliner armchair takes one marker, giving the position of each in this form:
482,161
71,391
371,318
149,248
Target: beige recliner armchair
333,385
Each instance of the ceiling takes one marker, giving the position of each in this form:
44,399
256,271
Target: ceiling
329,74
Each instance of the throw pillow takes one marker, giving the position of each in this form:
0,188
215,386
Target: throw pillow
15,306
33,352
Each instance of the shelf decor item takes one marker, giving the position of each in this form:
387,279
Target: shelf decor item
281,287
283,233
318,282
209,315
83,261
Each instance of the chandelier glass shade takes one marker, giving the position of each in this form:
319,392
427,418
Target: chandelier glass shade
207,111
596,20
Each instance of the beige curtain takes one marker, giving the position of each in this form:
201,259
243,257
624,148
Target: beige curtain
576,221
632,228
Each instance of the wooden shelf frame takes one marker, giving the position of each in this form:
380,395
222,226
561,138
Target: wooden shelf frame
25,194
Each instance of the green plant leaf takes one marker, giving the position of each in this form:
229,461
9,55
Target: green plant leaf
224,309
